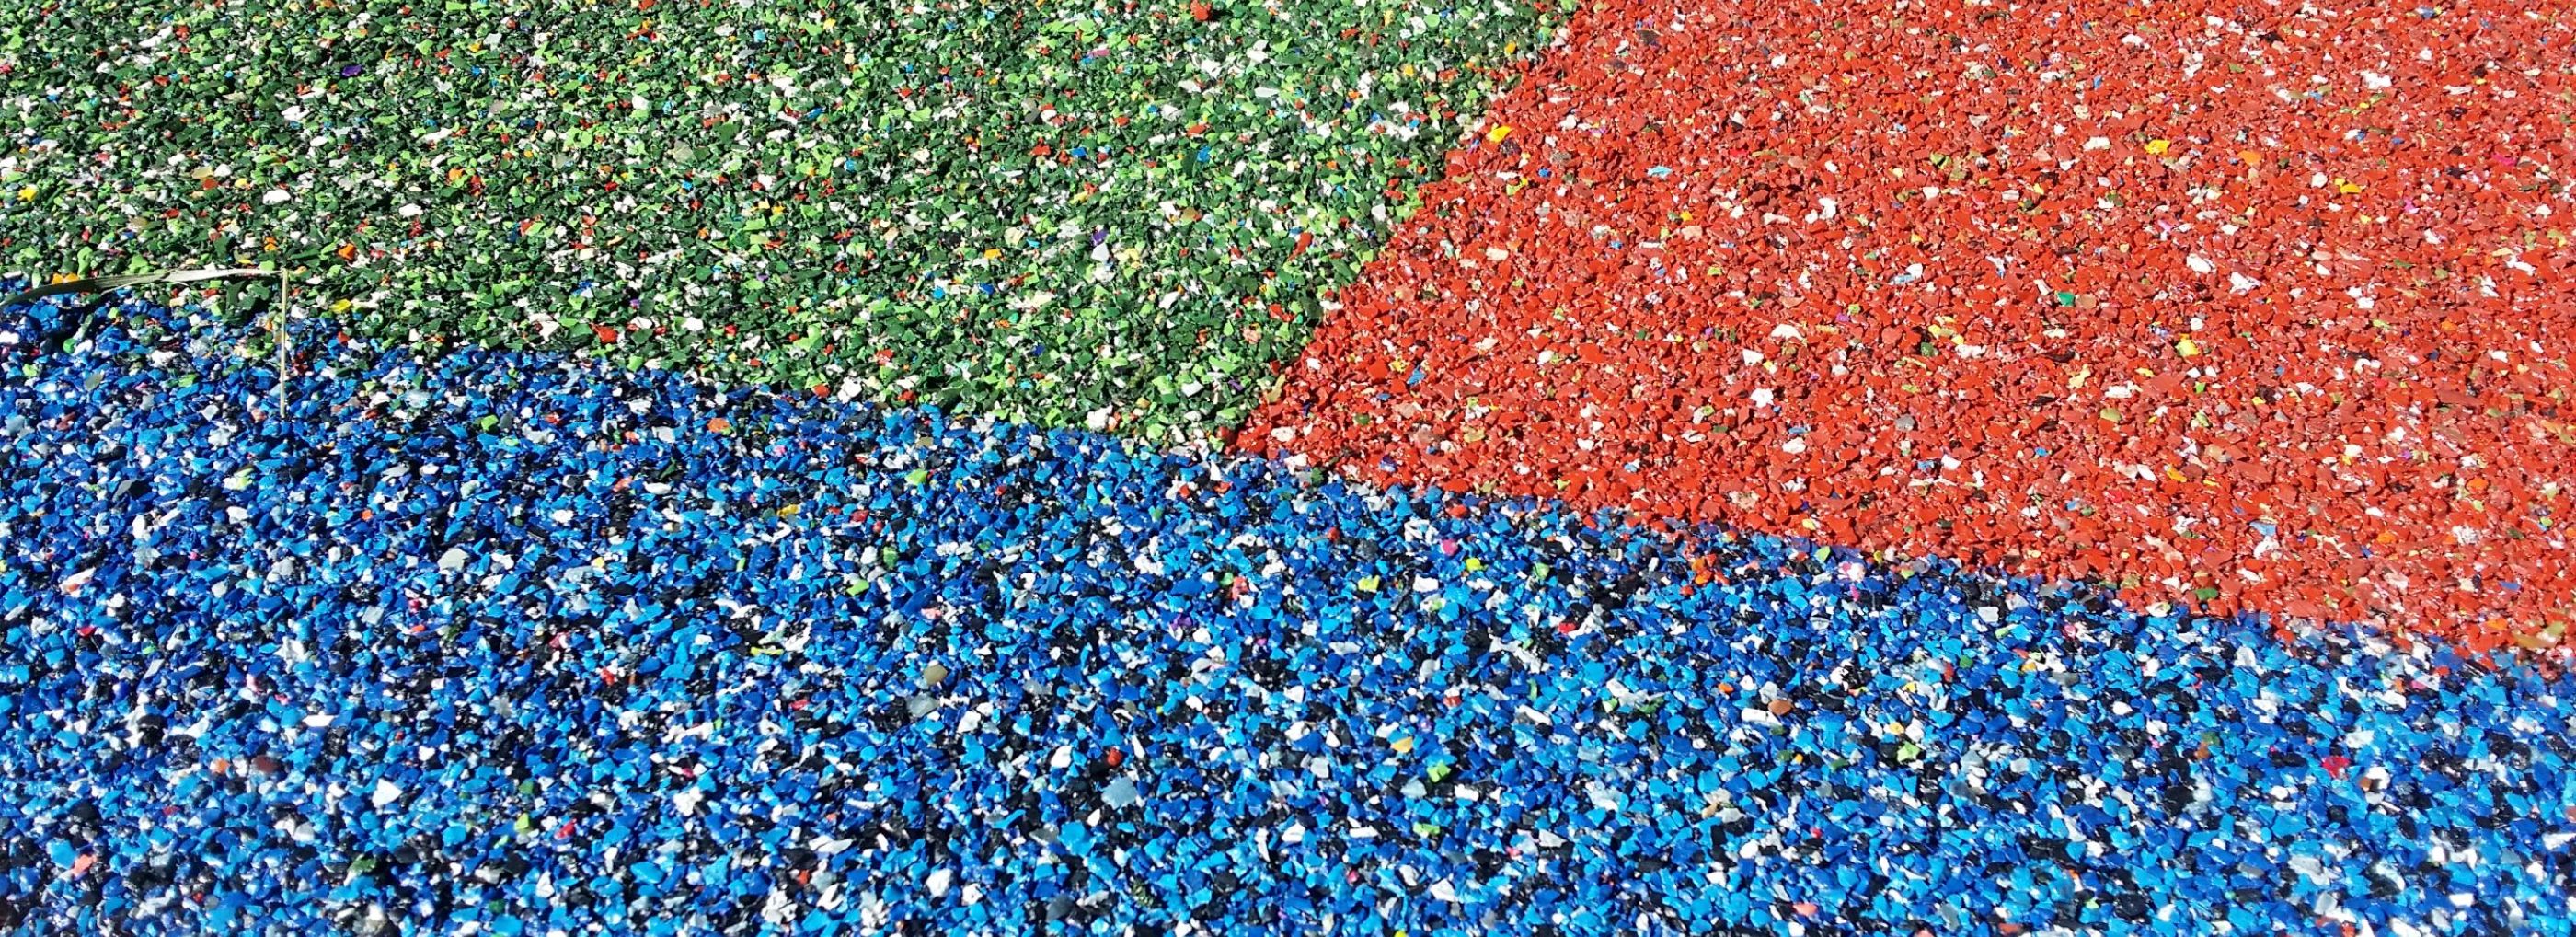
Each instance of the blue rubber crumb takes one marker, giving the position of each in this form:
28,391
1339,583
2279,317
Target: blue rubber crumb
521,645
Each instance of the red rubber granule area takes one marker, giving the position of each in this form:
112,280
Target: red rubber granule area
2228,303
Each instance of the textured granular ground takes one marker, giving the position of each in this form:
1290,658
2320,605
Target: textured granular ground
1112,214
516,644
2240,307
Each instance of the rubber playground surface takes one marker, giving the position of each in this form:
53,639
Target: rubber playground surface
1392,468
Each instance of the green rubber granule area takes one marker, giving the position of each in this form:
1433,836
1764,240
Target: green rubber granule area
1106,214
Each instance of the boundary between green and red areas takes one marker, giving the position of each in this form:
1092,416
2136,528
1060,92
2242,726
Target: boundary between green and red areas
2260,313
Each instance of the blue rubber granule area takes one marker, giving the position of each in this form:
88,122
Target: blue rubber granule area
511,644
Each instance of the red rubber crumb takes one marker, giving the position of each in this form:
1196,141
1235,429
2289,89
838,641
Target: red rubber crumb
2222,302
